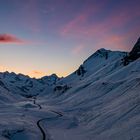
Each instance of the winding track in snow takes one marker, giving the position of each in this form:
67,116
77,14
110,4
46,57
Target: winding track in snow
43,119
41,129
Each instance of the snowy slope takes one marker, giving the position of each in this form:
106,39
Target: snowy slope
26,86
99,101
105,98
96,66
109,107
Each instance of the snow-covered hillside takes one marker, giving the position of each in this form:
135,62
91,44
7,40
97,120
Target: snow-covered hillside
26,86
99,101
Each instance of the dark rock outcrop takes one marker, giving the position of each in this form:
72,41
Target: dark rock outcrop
134,53
81,71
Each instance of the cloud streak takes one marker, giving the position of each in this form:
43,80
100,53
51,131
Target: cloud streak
10,39
36,73
110,31
79,26
81,23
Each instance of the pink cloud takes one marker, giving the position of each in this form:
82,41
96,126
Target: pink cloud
115,41
81,26
8,38
12,39
79,49
73,24
78,27
104,33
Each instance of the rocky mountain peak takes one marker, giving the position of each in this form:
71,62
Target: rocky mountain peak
134,53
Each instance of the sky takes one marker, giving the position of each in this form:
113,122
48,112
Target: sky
41,37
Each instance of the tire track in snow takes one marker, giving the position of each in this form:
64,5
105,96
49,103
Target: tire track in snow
44,135
43,119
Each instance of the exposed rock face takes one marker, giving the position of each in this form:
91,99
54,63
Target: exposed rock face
134,53
61,88
81,71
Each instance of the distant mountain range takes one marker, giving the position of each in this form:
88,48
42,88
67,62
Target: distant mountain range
99,101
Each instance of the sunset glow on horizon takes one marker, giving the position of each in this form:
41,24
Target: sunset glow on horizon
41,37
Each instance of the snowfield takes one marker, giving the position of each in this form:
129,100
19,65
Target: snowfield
99,101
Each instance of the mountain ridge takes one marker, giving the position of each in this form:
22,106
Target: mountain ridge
99,101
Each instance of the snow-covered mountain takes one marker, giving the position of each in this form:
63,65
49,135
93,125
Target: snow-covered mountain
95,64
99,101
24,85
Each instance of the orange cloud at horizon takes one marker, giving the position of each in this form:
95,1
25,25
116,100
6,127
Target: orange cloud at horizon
39,74
33,73
36,73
